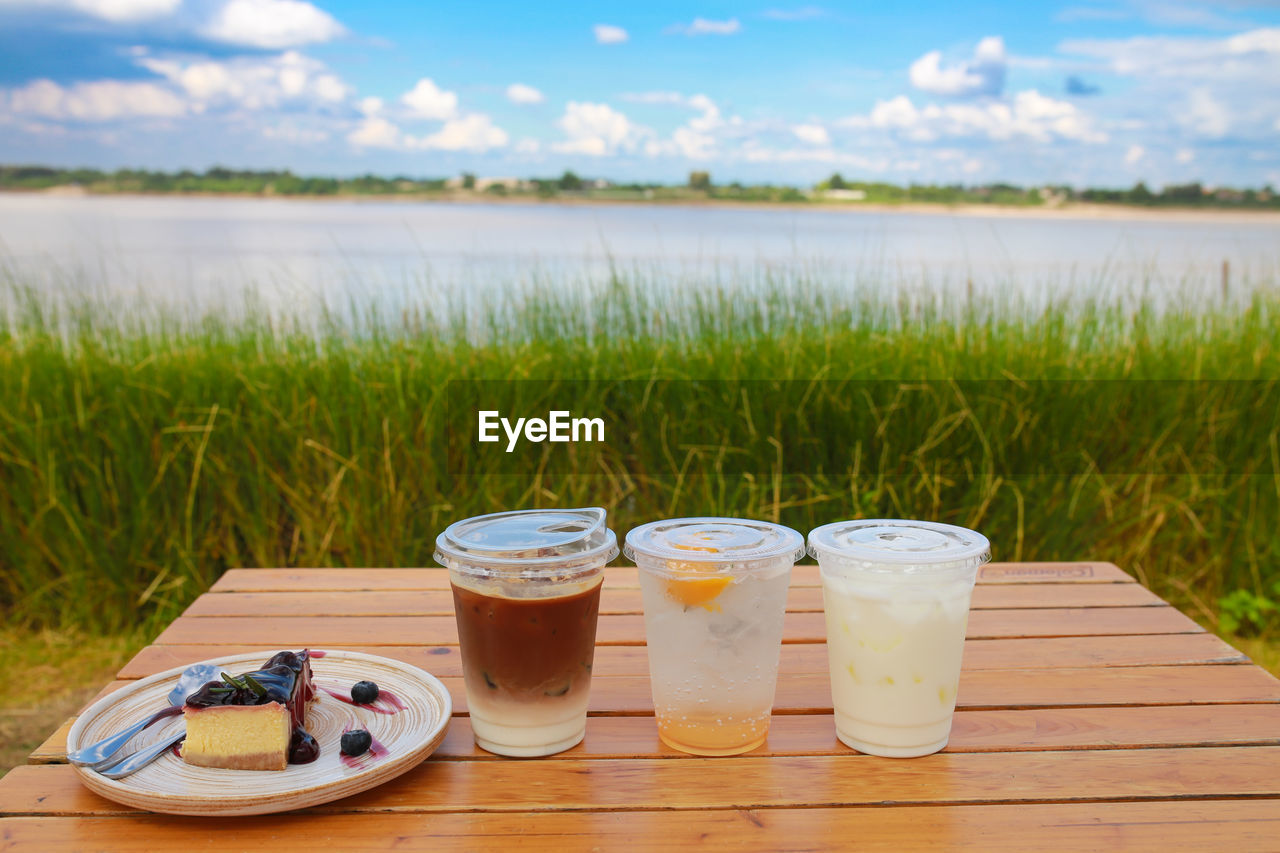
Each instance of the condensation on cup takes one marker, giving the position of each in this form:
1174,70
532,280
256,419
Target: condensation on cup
715,592
896,595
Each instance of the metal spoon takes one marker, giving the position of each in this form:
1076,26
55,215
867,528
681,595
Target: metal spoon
100,753
142,757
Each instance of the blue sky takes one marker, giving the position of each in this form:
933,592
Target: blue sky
1087,92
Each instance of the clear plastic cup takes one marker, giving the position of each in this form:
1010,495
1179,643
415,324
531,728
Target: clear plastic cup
526,593
896,595
715,593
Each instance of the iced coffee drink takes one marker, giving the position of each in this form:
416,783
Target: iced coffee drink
714,592
896,596
526,594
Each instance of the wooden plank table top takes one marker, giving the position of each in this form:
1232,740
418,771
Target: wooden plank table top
1091,714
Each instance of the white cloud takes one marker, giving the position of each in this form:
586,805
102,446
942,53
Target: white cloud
330,88
294,135
1252,54
1134,155
519,93
116,11
426,100
971,166
474,132
1205,115
528,146
752,152
1041,117
98,100
705,27
609,34
596,130
896,114
981,75
697,139
1190,88
684,142
703,103
698,102
272,24
693,144
1255,41
1029,114
1185,155
252,82
812,134
376,132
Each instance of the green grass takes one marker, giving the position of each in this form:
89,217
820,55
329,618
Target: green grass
46,676
141,455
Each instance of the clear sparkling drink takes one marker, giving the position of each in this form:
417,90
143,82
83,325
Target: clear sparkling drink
896,596
714,595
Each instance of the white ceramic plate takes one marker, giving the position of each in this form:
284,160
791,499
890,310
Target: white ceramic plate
171,786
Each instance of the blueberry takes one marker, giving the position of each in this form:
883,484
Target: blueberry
364,692
356,742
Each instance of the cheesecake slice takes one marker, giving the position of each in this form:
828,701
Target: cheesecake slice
253,721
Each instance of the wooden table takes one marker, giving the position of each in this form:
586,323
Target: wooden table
1092,715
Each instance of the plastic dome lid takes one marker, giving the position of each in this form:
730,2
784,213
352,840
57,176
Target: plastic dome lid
899,545
529,543
734,543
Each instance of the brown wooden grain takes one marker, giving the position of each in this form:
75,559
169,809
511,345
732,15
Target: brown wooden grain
1082,572
629,629
288,580
753,782
615,600
1017,653
1194,826
1078,685
810,693
54,748
973,731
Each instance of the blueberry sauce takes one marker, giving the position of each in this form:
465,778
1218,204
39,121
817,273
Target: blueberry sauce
171,711
383,696
285,679
376,750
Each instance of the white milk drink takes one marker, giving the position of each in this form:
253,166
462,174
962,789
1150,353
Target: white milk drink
896,595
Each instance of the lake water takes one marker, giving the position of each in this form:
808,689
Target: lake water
202,253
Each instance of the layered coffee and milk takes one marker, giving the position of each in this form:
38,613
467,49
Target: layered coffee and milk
526,595
528,664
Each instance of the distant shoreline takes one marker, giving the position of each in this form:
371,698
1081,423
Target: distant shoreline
1069,210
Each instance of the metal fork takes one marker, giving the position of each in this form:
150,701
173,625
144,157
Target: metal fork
102,754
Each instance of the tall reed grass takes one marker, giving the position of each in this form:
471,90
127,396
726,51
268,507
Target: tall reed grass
143,455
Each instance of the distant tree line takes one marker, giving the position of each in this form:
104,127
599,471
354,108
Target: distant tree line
699,186
1184,195
1176,195
215,180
